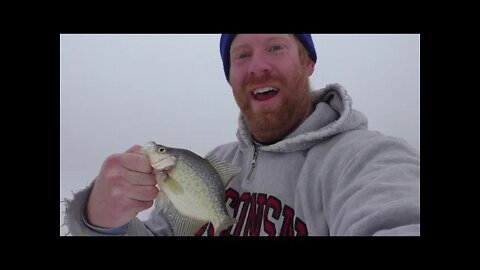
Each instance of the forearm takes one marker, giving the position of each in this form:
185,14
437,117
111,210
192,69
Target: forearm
378,193
75,208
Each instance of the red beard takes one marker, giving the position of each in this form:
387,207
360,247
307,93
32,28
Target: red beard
271,123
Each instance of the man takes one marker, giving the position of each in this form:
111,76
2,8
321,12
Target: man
309,164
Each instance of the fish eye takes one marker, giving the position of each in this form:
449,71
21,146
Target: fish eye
161,150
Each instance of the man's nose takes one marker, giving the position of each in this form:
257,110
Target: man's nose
259,65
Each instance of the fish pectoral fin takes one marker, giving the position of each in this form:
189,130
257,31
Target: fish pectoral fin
224,169
173,185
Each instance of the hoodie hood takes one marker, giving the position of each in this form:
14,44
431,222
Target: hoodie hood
333,114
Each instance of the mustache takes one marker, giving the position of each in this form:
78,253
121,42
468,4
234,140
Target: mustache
266,79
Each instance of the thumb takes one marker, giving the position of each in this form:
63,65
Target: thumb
136,149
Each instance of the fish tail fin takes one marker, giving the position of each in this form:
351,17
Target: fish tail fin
224,224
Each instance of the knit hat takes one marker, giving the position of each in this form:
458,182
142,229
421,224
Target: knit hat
226,42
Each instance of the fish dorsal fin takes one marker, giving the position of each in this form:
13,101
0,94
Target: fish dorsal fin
224,169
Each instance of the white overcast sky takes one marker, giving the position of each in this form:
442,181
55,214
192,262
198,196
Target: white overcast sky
121,90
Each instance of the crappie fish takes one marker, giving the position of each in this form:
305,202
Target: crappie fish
192,188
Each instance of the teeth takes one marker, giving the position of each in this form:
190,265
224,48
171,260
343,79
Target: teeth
264,90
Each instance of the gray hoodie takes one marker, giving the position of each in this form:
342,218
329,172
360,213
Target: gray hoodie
331,176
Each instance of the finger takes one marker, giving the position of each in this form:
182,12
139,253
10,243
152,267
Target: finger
136,162
140,179
142,193
134,149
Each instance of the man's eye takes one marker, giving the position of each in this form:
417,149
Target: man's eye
275,48
241,55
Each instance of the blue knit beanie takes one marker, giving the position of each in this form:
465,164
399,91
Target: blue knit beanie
226,42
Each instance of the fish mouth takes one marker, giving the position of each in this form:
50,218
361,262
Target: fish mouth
165,164
162,175
166,171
